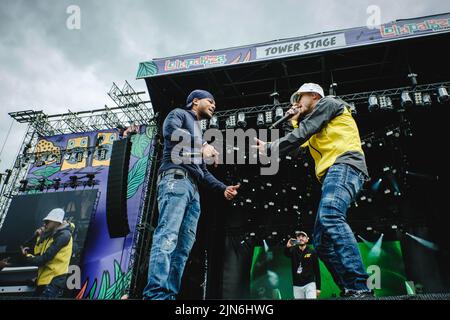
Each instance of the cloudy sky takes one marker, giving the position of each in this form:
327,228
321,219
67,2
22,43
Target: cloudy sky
45,66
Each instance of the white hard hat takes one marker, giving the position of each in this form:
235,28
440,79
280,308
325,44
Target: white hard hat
56,215
307,87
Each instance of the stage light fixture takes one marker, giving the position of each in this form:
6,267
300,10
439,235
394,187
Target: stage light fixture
203,124
260,120
73,181
279,113
426,99
386,103
373,104
268,117
241,120
406,101
418,98
56,183
352,107
231,122
90,177
214,122
442,94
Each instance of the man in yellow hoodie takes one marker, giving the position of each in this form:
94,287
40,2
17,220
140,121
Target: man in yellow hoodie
328,129
51,252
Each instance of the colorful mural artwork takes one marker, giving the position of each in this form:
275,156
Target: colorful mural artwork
64,156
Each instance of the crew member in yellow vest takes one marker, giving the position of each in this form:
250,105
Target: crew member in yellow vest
325,125
51,252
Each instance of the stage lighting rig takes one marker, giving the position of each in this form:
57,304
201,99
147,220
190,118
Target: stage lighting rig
406,101
73,182
260,120
279,113
231,122
214,123
268,116
443,94
241,120
373,104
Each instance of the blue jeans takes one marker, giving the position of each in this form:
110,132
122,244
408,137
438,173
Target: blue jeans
333,239
179,211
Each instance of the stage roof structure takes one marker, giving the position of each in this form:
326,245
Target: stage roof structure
356,59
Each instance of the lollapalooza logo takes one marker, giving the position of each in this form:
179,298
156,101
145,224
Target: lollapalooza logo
178,64
411,28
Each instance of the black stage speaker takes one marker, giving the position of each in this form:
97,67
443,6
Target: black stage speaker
116,195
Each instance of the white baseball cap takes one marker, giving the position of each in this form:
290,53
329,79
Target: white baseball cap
56,215
307,87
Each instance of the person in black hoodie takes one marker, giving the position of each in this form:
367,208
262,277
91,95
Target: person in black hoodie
305,267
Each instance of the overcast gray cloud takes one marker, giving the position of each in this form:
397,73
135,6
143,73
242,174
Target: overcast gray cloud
45,66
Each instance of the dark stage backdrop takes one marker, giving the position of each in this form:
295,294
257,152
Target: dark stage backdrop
271,272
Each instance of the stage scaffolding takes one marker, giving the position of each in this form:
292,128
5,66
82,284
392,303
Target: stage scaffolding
130,109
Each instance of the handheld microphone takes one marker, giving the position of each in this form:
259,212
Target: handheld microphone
283,119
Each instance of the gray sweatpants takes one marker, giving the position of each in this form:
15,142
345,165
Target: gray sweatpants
306,292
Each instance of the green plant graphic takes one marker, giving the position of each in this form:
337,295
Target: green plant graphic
107,290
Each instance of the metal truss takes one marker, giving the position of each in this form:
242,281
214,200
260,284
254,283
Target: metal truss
130,110
18,172
131,104
357,98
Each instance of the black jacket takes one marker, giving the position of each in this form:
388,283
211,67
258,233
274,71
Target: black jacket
310,271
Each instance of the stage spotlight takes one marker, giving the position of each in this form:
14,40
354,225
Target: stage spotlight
352,107
231,122
413,78
366,242
73,181
41,185
214,122
56,183
406,100
428,244
268,115
90,177
203,124
426,99
332,90
375,252
418,98
260,120
279,113
373,104
369,228
394,227
376,186
241,120
442,94
386,103
394,184
23,185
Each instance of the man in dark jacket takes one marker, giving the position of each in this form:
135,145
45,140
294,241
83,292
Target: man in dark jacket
182,169
305,267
